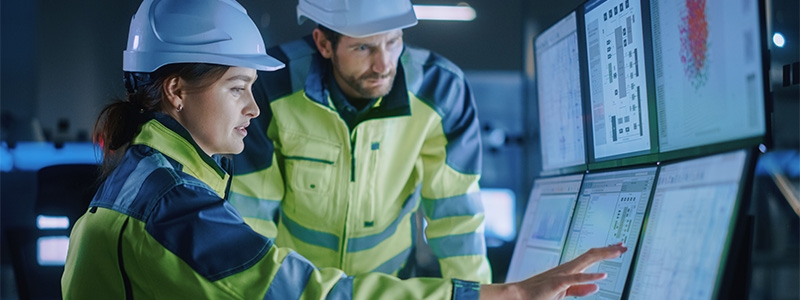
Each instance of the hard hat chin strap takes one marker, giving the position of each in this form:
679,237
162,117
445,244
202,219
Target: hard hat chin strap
135,80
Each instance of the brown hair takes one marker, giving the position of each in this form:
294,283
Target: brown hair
331,36
121,120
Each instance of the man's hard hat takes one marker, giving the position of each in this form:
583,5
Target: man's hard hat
194,31
358,18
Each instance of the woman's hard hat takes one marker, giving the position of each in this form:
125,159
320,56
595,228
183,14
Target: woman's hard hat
194,31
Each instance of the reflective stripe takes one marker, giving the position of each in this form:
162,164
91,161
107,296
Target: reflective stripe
342,290
465,289
310,236
458,245
462,205
291,279
251,207
370,241
394,263
144,168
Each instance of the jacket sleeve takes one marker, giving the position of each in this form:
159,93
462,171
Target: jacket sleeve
294,277
451,157
204,251
257,188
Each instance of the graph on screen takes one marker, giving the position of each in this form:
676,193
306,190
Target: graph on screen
610,209
544,226
617,79
688,224
708,71
559,94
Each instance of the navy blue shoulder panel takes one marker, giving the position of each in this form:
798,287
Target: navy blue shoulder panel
182,213
441,85
141,177
205,231
273,85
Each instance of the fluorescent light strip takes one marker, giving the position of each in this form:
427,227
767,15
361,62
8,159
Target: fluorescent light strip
52,222
52,250
444,13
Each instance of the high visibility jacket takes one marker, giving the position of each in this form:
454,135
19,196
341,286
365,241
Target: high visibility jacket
350,196
159,228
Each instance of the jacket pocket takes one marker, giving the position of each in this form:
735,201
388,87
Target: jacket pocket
310,167
310,172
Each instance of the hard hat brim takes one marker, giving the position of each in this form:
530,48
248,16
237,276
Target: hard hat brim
364,29
136,61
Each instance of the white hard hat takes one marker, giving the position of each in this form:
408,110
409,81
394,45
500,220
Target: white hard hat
194,31
358,18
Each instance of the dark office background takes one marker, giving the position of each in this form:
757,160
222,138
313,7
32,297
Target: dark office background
61,63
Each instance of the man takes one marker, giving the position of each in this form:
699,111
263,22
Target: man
365,131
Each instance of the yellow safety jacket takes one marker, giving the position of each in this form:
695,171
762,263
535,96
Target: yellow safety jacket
159,228
347,198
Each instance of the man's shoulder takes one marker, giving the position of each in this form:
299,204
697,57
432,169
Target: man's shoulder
428,61
298,49
298,55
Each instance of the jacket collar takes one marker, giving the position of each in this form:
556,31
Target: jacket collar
169,137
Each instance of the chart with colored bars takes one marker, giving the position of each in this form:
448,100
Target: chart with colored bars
610,209
617,79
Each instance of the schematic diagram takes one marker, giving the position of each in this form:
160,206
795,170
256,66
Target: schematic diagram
617,79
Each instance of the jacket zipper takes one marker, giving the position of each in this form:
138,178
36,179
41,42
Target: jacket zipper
353,156
125,279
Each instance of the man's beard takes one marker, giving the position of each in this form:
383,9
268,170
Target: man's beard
357,83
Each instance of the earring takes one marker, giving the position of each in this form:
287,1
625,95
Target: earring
180,107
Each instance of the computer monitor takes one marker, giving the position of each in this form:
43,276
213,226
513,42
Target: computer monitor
544,226
709,74
617,75
559,96
689,228
611,208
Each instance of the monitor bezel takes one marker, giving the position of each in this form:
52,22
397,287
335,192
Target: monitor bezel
578,168
734,229
649,201
633,158
536,183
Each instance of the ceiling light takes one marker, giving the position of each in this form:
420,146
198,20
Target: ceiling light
778,39
445,12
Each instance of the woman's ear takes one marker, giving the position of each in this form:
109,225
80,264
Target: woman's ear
173,89
323,44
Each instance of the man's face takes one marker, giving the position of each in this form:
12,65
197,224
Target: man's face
365,67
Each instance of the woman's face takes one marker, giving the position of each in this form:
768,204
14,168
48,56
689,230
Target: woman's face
217,117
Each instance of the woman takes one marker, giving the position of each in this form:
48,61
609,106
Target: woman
159,226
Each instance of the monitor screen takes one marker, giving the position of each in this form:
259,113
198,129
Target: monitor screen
610,209
689,224
708,71
559,95
544,226
615,43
